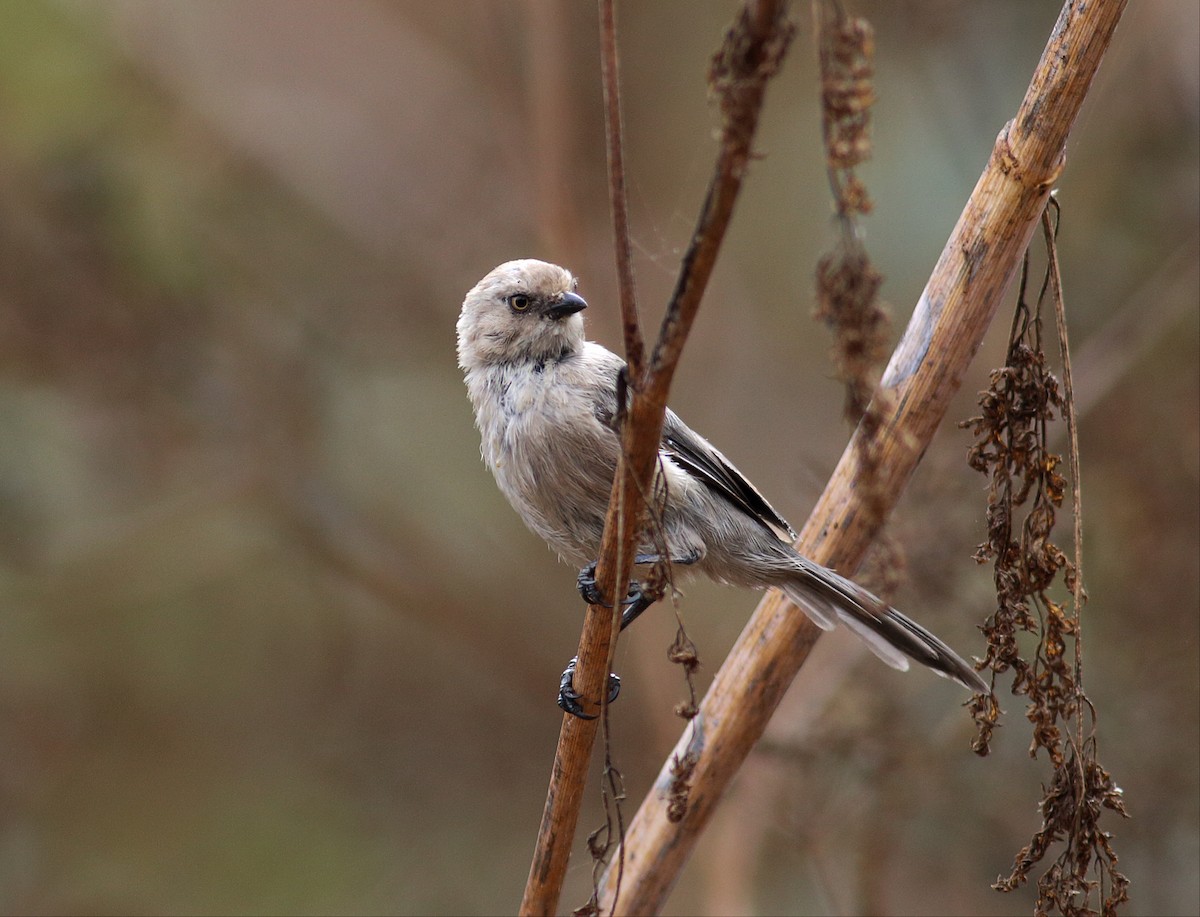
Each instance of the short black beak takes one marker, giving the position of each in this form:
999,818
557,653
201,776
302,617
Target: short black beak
568,305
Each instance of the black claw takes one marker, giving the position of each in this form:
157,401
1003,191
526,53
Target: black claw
590,592
586,582
614,686
568,697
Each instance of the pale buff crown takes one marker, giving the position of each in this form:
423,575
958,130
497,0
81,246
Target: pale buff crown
490,331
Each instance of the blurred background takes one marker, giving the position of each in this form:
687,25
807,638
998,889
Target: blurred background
271,641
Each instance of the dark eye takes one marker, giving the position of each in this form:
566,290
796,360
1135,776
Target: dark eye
519,302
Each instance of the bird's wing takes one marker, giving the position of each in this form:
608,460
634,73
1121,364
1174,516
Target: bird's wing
697,456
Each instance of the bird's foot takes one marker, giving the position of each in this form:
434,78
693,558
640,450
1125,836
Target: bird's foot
590,592
568,697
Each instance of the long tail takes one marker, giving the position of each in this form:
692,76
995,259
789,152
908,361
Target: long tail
828,598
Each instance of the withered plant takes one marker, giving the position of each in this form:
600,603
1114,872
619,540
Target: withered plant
1030,634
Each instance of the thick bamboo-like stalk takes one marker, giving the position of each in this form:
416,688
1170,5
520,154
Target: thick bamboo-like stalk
963,293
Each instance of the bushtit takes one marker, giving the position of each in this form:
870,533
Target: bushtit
545,403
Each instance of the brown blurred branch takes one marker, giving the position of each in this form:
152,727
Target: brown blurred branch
552,151
962,295
748,58
1146,317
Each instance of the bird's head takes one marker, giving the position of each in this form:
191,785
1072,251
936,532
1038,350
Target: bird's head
523,310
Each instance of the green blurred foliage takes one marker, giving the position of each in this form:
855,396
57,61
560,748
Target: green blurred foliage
271,642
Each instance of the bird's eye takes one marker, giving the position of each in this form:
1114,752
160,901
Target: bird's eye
519,302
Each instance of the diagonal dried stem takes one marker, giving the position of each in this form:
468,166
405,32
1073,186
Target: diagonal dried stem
975,269
749,57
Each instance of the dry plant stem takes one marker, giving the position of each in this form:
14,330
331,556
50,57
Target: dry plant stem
597,643
749,57
975,269
635,357
618,200
1060,321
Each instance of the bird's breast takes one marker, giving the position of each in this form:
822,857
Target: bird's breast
530,414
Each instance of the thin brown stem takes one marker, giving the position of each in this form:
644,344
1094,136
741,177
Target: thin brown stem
1060,321
750,55
617,196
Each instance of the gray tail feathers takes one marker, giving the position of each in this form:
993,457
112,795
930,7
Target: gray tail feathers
828,598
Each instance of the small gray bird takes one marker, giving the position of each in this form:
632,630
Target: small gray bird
545,404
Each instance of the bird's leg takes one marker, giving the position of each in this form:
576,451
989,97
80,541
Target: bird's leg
635,602
638,603
590,592
683,560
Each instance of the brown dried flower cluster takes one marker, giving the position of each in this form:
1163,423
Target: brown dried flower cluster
847,52
847,283
1011,448
1026,492
847,301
